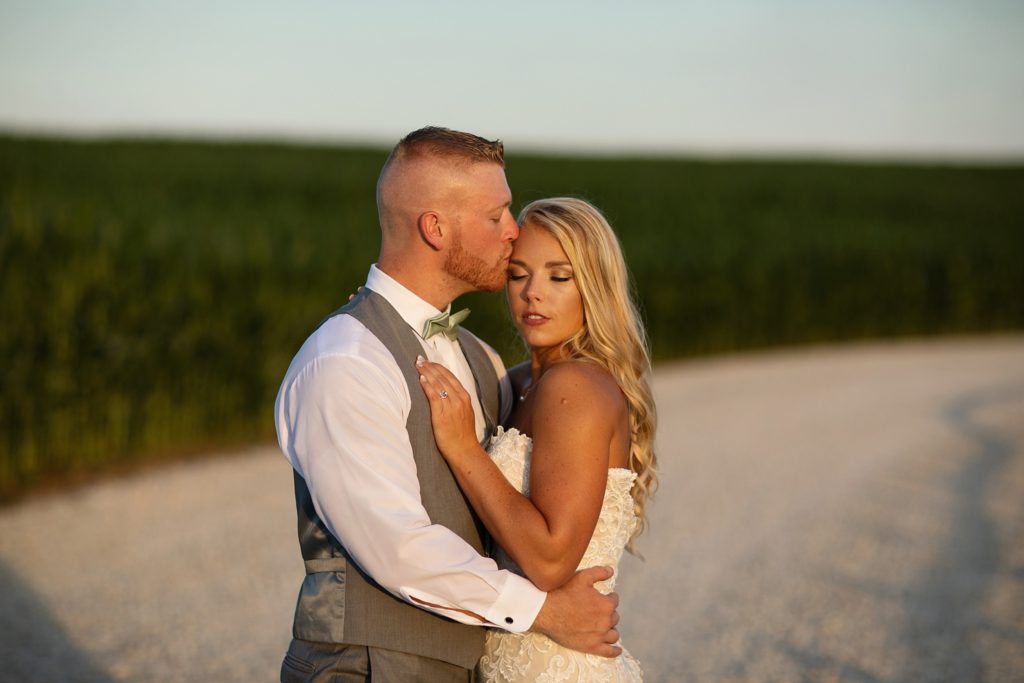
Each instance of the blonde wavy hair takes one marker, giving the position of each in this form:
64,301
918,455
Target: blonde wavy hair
612,335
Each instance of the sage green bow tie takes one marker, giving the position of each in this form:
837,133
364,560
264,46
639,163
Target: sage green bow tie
445,323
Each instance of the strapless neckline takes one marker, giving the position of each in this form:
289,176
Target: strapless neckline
514,433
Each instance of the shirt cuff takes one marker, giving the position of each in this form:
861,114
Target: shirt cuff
517,605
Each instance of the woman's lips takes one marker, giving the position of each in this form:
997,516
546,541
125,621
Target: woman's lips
534,319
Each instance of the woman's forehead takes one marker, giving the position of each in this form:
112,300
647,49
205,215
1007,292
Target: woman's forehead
538,246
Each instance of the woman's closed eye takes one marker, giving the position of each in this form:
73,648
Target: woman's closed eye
515,276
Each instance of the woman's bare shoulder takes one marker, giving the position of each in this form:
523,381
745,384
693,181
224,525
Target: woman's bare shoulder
583,382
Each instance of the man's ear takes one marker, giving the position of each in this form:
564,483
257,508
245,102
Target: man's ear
429,225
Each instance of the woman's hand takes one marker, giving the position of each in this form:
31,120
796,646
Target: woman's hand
451,409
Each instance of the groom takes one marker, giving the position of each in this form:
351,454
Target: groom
397,586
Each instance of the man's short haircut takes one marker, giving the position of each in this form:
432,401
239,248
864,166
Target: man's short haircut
451,145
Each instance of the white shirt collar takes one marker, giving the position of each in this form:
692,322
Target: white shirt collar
413,310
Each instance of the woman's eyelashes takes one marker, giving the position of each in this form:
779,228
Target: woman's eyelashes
561,277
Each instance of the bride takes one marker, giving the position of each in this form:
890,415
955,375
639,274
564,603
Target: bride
565,485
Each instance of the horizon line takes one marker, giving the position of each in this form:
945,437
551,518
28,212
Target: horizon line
824,153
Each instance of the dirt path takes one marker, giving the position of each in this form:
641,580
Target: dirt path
847,514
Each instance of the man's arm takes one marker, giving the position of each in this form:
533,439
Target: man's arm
577,615
341,422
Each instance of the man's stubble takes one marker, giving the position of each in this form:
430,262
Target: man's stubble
474,271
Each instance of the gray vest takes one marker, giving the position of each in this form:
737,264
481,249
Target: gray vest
338,602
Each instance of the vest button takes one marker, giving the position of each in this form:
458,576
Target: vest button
508,620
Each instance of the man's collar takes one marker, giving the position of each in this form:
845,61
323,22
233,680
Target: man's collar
412,309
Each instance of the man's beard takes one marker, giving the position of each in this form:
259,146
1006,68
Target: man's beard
473,270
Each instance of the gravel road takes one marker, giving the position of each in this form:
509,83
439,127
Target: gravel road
835,514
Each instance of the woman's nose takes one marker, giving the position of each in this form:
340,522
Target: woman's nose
531,292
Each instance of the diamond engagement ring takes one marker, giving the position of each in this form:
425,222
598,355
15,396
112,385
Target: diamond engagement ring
443,394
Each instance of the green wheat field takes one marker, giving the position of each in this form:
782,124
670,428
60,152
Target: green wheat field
152,293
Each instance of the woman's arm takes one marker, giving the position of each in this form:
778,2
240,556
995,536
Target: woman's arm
577,407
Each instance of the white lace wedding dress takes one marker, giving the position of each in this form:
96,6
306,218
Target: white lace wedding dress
518,657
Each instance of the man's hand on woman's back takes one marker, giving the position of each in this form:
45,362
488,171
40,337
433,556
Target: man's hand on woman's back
579,617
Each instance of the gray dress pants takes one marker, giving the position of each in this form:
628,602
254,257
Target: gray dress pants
309,662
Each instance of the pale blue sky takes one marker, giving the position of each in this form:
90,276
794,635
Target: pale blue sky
938,78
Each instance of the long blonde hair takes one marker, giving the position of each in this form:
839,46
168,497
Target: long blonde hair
612,334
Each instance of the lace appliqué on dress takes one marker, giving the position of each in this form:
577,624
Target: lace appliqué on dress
517,657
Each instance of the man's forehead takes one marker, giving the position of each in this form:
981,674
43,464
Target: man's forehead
485,180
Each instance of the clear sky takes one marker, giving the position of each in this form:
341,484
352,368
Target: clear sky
928,78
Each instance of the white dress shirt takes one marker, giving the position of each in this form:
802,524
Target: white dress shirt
340,414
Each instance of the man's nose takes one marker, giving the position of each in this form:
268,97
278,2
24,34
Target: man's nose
511,227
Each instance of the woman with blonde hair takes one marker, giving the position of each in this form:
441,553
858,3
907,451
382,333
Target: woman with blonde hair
564,486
